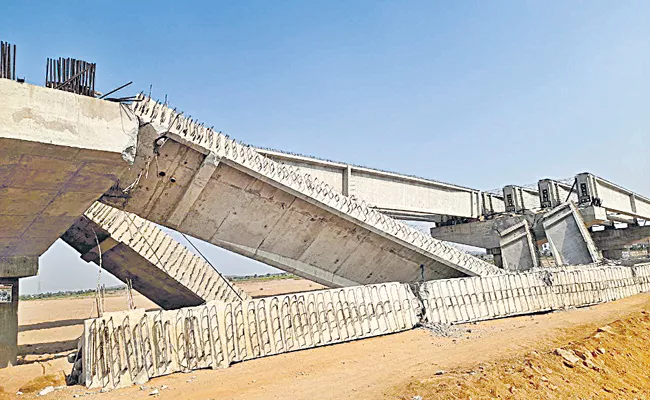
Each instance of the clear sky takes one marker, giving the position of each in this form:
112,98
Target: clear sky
480,94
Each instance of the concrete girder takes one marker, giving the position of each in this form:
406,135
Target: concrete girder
159,267
594,190
569,239
518,249
255,203
400,196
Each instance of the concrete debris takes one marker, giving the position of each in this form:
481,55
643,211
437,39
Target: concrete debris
607,329
154,392
601,350
46,391
569,357
441,372
416,398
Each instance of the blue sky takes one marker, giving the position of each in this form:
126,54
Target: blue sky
480,94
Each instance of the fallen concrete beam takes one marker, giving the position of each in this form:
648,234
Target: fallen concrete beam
518,249
158,267
256,203
125,348
218,334
568,237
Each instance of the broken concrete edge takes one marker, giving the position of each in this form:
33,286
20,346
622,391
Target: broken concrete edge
168,122
37,114
132,347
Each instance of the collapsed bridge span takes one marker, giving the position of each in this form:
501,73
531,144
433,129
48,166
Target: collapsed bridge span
200,182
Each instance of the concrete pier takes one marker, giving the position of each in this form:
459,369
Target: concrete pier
59,152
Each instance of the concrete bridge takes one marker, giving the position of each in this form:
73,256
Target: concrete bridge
328,222
60,152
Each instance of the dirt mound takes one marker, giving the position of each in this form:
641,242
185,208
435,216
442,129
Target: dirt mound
613,362
41,382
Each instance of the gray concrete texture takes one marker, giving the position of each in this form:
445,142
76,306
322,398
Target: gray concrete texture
568,237
518,249
202,183
398,195
158,267
8,321
215,335
59,152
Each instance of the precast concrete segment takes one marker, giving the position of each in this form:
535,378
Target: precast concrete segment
462,300
552,193
518,198
594,190
159,267
398,195
568,237
59,152
518,249
131,347
257,203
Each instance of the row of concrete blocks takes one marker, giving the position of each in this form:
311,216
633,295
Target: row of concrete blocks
460,300
163,251
187,131
124,348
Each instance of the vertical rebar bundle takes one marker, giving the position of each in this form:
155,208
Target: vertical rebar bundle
7,61
71,75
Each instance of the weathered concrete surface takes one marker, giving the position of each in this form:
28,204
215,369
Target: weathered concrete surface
568,237
594,190
620,238
518,198
158,266
59,152
217,334
269,208
518,249
398,195
552,193
18,267
8,321
483,234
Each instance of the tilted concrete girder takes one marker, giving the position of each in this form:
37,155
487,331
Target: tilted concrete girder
198,181
159,267
59,152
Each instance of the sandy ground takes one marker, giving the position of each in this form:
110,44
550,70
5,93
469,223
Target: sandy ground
490,357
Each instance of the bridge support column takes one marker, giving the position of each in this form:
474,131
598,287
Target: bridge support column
10,270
